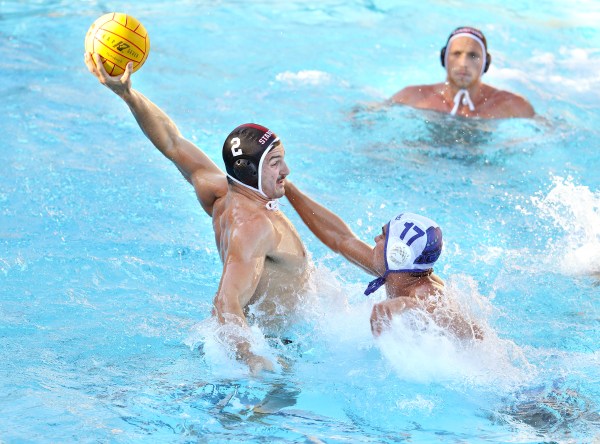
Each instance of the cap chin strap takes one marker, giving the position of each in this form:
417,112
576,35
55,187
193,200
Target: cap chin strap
375,284
272,205
462,96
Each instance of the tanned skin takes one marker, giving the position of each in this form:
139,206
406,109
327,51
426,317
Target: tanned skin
405,291
464,72
264,260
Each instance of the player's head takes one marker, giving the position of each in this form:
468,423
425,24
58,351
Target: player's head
411,243
473,34
244,153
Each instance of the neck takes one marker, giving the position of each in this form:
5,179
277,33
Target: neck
249,193
403,283
450,89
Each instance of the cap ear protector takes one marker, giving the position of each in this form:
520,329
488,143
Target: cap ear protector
246,171
488,59
398,256
244,151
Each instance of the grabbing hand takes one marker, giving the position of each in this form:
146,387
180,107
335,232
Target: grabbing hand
120,85
258,364
381,316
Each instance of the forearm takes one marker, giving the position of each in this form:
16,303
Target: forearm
326,225
235,331
153,121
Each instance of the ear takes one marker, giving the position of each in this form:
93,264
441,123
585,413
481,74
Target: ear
443,56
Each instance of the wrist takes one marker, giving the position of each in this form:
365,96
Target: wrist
127,95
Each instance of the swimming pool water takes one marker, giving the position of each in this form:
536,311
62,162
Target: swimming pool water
108,265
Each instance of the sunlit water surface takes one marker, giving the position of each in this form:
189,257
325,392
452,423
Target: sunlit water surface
108,265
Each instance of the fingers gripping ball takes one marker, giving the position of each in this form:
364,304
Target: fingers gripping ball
119,39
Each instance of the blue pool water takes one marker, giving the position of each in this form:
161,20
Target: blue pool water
108,265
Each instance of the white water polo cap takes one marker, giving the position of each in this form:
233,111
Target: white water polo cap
413,243
244,152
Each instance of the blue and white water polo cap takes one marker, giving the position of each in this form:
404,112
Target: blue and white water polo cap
413,243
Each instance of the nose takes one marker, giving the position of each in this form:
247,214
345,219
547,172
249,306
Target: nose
285,170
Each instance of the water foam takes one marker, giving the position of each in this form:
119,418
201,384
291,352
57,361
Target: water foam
304,77
416,348
419,350
333,342
575,211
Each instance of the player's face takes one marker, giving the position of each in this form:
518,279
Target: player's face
274,172
379,251
464,62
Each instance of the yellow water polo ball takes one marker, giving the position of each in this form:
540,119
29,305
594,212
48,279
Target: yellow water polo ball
119,39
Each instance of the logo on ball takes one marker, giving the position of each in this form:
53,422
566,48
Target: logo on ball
121,46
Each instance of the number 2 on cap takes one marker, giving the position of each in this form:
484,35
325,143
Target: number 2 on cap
235,143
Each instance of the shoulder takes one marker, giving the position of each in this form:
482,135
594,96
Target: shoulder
412,94
429,287
508,104
209,188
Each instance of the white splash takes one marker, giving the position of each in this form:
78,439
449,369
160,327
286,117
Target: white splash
336,344
304,77
219,356
421,351
575,210
415,348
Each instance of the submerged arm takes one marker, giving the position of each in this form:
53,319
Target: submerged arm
330,229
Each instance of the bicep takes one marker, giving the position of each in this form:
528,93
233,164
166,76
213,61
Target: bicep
239,281
243,266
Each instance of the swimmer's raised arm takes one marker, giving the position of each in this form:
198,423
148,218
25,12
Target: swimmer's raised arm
331,229
160,129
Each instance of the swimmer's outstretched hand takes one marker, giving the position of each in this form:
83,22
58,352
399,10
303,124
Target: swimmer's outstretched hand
120,85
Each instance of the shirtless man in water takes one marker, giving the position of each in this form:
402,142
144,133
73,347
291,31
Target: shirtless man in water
466,59
264,260
402,258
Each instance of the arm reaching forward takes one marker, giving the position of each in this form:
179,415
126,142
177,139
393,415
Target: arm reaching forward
331,230
163,133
